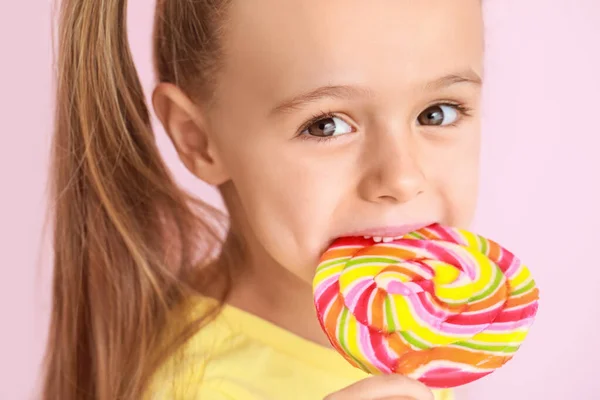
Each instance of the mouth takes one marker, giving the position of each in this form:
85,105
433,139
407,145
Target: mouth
389,233
383,239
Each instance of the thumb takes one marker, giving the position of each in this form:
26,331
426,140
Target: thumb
399,398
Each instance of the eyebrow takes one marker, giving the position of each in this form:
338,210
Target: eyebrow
345,92
342,92
467,76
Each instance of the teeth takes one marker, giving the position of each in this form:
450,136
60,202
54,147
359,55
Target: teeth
379,239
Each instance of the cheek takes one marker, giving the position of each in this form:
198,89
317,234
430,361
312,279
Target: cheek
288,206
285,193
462,197
457,179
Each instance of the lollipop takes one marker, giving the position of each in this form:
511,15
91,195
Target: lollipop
441,305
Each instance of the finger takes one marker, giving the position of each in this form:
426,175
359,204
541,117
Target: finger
399,398
383,387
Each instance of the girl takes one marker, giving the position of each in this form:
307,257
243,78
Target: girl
314,119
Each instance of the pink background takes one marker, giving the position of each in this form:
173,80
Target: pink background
539,196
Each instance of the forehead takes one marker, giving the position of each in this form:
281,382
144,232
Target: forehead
285,46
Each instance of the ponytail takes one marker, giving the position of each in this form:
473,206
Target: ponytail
125,236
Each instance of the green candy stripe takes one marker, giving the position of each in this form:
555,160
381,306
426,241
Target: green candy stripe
414,341
333,262
342,329
499,348
389,315
524,289
491,289
416,235
367,260
483,244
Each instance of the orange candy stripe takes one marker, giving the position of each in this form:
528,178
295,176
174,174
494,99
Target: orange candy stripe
331,320
383,251
501,294
412,361
378,308
339,253
494,250
526,298
397,344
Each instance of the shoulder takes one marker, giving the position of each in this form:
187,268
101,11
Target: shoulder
239,356
203,366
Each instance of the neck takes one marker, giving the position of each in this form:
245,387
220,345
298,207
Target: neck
264,288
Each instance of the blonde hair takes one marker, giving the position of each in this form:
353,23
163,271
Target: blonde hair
127,239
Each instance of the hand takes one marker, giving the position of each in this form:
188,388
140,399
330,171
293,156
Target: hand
384,387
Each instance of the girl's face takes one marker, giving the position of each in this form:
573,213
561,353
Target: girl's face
338,116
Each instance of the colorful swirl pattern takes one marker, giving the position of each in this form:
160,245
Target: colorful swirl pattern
441,305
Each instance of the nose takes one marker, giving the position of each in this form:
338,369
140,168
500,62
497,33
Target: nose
392,173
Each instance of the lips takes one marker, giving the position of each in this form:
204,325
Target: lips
388,233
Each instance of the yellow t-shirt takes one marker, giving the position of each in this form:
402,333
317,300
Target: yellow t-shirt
239,356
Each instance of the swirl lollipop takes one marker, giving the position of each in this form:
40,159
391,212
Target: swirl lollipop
441,305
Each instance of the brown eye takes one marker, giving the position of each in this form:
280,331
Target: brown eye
438,115
328,126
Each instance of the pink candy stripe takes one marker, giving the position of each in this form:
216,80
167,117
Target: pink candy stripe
439,325
481,317
509,326
378,343
353,296
517,314
324,285
438,378
328,296
365,344
512,269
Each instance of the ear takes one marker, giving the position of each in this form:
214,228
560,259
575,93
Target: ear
183,121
